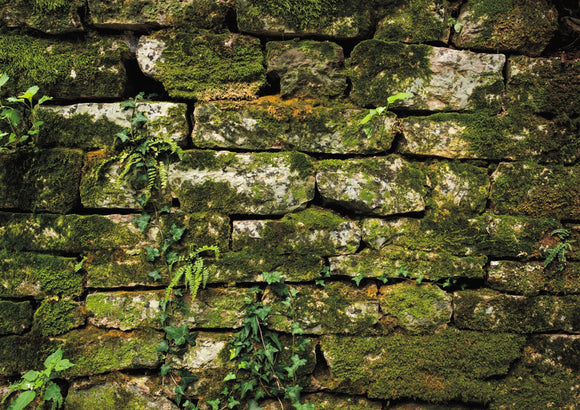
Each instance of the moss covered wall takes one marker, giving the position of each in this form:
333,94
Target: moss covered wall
415,241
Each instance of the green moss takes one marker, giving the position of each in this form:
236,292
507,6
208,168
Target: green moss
15,317
57,316
446,366
72,69
28,274
23,353
380,69
49,5
109,396
212,66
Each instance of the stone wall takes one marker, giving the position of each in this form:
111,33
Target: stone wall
416,242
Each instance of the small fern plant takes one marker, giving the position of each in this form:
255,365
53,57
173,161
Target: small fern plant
559,251
191,269
140,152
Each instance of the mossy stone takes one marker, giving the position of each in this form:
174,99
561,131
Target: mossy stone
23,353
88,68
51,178
51,17
56,316
15,317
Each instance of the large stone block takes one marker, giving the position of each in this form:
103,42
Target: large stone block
203,67
88,68
507,25
439,79
484,309
417,21
302,125
442,367
528,188
94,125
307,68
379,185
252,183
56,316
333,18
15,317
44,181
52,17
145,14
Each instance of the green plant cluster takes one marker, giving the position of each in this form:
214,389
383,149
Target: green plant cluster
40,385
381,110
559,251
17,114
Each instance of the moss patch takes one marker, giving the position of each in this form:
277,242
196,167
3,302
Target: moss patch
15,317
57,316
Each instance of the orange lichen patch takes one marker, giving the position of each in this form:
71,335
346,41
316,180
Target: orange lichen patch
96,155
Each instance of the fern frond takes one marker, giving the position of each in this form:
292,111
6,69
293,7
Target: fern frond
103,164
174,281
151,177
163,174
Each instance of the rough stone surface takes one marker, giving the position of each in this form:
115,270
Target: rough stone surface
203,67
91,68
56,316
254,183
416,21
490,310
16,317
51,178
507,26
51,18
94,125
144,14
439,79
336,18
532,278
307,68
335,308
295,124
329,401
388,262
440,367
527,188
378,185
416,308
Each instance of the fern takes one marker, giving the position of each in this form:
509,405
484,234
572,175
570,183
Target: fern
559,251
192,270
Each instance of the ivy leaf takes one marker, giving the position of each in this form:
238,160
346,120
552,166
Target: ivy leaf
271,277
296,329
229,376
139,118
164,370
171,258
176,233
293,393
246,387
177,334
232,403
142,221
155,275
297,362
128,104
357,279
162,347
215,404
152,253
123,136
165,209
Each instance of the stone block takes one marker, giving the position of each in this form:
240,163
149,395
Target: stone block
16,317
56,316
307,68
45,181
484,309
439,79
203,67
507,26
88,68
295,124
379,185
51,17
245,183
528,188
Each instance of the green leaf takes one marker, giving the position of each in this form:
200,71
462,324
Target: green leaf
127,104
63,365
232,403
155,275
176,233
229,376
30,93
13,116
420,278
123,136
366,119
253,405
23,400
271,277
296,329
165,209
4,79
53,359
162,347
43,99
171,258
297,362
177,334
397,97
165,368
52,393
139,118
215,404
31,375
142,221
152,253
247,387
357,279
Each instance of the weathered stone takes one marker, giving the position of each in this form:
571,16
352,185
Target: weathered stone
546,377
52,17
67,233
91,68
23,353
490,310
56,316
302,125
511,136
389,260
15,317
544,85
335,308
95,351
212,308
94,125
44,181
378,185
253,183
334,18
134,393
307,68
458,187
532,278
416,308
312,231
444,366
416,21
507,25
527,188
203,67
439,79
144,14
329,401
